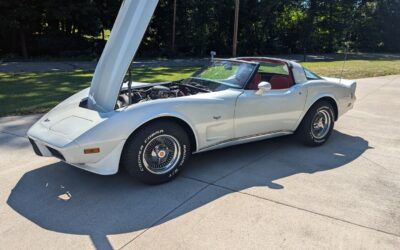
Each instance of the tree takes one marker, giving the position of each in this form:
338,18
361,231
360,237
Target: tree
21,18
194,28
107,10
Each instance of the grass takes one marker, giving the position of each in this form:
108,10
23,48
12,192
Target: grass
107,34
219,72
27,93
355,69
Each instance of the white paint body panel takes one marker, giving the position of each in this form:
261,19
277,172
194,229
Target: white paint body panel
126,36
273,111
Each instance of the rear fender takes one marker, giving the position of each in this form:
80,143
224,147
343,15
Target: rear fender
313,100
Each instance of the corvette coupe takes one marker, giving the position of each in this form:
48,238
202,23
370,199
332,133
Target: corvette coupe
152,129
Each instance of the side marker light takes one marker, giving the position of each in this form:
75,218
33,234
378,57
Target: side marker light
91,151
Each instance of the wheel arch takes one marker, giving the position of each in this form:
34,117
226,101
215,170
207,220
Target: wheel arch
186,126
326,98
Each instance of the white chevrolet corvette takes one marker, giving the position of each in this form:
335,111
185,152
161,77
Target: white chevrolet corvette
152,129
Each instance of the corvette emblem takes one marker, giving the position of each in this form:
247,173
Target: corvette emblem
217,117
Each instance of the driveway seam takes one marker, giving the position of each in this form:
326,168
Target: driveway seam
379,88
167,214
378,164
12,134
298,208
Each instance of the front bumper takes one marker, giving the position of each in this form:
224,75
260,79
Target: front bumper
106,164
46,151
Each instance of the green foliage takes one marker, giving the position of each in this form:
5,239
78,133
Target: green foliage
54,27
69,27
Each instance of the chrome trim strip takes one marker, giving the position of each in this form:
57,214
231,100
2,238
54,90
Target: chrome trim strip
245,139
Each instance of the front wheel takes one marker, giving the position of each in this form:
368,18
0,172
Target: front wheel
156,153
317,125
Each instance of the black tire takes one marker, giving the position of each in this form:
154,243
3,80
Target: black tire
306,131
142,142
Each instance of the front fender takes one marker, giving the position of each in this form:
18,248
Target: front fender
121,124
210,116
175,115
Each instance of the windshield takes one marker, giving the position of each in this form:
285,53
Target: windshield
221,75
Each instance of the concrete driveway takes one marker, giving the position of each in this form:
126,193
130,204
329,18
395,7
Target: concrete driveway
270,194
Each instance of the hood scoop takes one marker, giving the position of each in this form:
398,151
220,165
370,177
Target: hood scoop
128,31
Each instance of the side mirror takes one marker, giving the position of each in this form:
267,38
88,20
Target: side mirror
263,87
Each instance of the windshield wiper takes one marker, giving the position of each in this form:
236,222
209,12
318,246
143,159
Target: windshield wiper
218,82
196,86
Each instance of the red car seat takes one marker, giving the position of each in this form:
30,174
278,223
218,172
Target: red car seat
254,84
281,82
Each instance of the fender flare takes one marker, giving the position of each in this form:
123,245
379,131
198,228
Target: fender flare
316,99
181,119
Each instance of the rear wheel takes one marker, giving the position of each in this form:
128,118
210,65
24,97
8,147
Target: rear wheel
317,125
156,153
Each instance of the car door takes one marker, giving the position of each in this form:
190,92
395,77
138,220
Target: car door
269,112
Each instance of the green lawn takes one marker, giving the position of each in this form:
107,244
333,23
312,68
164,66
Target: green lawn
26,93
355,69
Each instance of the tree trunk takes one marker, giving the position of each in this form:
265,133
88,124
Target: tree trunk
24,48
236,28
330,38
174,28
308,28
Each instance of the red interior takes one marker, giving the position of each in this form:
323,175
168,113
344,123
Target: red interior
276,81
254,83
281,82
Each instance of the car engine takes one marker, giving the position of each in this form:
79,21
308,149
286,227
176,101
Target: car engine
170,90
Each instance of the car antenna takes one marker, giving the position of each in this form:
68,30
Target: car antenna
130,83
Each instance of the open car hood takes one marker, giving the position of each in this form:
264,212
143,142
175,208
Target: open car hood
128,31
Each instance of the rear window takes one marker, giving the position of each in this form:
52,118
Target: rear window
274,68
311,75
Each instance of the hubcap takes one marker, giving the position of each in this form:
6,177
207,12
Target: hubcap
321,124
161,154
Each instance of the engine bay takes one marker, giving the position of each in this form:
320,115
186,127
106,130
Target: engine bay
162,91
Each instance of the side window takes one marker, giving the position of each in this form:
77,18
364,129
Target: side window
277,74
274,68
310,75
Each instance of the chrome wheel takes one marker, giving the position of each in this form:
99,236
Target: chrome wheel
321,124
161,154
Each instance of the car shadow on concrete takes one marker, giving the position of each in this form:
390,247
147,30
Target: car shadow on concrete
64,199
